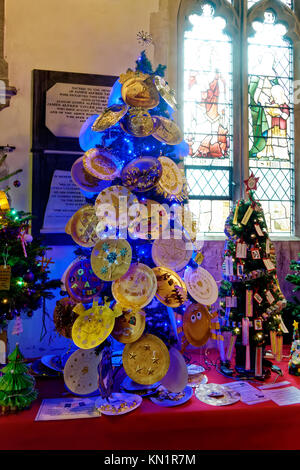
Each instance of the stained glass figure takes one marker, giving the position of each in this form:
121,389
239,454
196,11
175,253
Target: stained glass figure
271,114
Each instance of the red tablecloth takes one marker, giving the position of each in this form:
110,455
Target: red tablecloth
192,426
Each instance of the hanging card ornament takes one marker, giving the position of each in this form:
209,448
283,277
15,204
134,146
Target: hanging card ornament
239,270
80,372
83,226
199,258
197,324
249,303
247,216
241,250
81,283
147,360
171,289
255,253
136,288
258,230
268,264
5,277
258,298
142,174
85,180
201,285
167,131
171,252
176,378
101,164
93,325
269,296
110,259
129,327
258,324
109,117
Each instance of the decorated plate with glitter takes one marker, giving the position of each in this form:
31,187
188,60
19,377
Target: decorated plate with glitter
129,327
165,398
216,395
92,326
196,324
171,182
80,372
101,164
139,91
147,360
141,174
85,180
112,204
165,91
109,117
201,285
136,288
138,122
83,226
149,220
171,289
118,403
171,252
64,317
168,131
110,259
81,283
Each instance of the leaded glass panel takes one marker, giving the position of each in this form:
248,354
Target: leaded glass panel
288,3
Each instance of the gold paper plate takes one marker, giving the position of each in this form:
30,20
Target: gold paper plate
172,252
83,179
83,226
171,289
138,122
147,360
136,288
201,285
138,91
114,202
109,117
101,164
196,324
168,131
171,183
129,327
110,259
149,222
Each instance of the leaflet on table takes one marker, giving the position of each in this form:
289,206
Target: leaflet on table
67,408
284,396
64,200
249,394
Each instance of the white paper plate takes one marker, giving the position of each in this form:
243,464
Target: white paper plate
118,404
201,285
81,373
176,378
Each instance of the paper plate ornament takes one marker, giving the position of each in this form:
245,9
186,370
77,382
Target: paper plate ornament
201,285
118,404
93,325
138,122
80,372
171,252
81,283
148,221
171,183
147,360
165,91
216,395
110,259
87,137
171,289
136,288
176,378
142,174
129,327
113,204
196,324
64,317
164,397
167,131
110,116
138,90
85,180
83,226
101,164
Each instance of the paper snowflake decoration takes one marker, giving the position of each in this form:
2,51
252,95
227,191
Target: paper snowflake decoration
144,38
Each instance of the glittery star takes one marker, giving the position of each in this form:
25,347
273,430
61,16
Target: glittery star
155,360
132,355
138,369
251,183
150,371
147,347
105,246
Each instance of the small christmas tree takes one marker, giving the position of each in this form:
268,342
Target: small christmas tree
16,385
292,309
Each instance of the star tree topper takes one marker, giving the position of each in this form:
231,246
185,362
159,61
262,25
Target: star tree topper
251,183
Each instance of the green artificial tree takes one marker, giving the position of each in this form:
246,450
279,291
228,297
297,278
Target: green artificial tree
17,390
293,306
251,299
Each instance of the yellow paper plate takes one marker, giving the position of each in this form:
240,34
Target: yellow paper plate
171,289
196,324
83,226
110,259
129,327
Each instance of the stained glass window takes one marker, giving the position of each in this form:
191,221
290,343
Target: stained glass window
289,3
271,121
207,117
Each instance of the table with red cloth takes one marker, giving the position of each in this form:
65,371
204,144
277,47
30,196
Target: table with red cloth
191,426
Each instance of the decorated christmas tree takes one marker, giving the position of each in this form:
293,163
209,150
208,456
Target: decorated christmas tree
135,280
292,308
251,296
16,385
